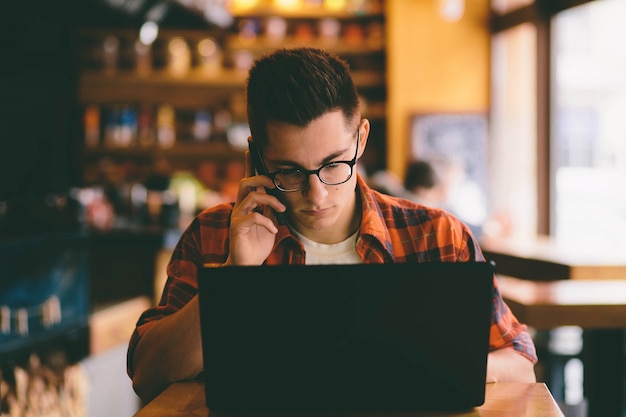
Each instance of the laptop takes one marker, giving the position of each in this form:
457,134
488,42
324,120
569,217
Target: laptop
400,336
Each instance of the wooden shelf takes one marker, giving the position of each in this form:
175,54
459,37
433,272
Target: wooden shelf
311,12
340,47
200,150
196,89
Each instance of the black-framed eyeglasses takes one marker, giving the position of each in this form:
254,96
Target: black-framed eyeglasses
332,173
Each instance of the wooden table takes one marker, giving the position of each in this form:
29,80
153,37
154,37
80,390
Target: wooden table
598,304
543,258
599,308
501,400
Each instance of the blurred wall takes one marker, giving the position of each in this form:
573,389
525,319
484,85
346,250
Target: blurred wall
433,65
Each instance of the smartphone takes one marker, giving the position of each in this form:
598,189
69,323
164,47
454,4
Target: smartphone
261,169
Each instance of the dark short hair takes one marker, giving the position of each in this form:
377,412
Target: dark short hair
420,174
296,86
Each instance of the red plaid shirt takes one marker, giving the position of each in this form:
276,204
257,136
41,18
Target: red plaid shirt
392,230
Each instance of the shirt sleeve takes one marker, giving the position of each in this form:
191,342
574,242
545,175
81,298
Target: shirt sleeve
506,331
181,286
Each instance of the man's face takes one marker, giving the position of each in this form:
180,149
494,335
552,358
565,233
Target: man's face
323,213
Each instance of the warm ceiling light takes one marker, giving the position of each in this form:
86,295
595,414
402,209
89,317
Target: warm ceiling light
244,4
148,32
451,10
287,4
335,4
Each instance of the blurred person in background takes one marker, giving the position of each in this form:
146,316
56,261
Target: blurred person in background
442,183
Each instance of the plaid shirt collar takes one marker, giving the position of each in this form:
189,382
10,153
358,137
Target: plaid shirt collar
373,243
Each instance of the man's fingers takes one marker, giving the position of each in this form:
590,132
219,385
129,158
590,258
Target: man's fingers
256,199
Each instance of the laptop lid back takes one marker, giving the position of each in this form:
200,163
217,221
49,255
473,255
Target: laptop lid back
346,337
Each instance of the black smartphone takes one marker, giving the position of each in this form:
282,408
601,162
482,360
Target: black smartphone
261,169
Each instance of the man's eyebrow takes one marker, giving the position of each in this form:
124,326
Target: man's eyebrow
329,158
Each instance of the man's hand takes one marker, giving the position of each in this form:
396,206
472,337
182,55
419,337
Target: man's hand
253,221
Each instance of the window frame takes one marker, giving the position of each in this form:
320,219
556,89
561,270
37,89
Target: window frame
539,13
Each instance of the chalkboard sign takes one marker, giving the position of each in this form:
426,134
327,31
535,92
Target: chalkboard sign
459,138
457,145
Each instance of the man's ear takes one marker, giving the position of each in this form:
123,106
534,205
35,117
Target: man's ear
364,130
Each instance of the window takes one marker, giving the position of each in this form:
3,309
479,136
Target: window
559,76
588,131
513,132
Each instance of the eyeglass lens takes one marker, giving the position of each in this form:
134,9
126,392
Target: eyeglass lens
332,174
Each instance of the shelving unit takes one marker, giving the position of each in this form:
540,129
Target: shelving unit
194,90
223,88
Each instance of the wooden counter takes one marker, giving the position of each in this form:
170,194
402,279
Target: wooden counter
544,258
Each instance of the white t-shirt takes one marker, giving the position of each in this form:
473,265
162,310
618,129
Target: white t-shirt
337,253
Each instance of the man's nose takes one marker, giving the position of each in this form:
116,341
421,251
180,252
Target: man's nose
315,188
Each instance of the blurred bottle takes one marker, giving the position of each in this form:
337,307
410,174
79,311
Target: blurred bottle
143,58
145,122
112,127
275,29
166,130
202,126
209,56
128,127
353,34
110,54
329,29
304,32
92,126
248,31
179,56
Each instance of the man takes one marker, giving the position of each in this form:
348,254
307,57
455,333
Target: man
307,131
424,184
441,182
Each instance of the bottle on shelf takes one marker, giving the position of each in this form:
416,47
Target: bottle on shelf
166,126
179,56
110,54
209,56
143,58
128,127
145,126
91,120
203,126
